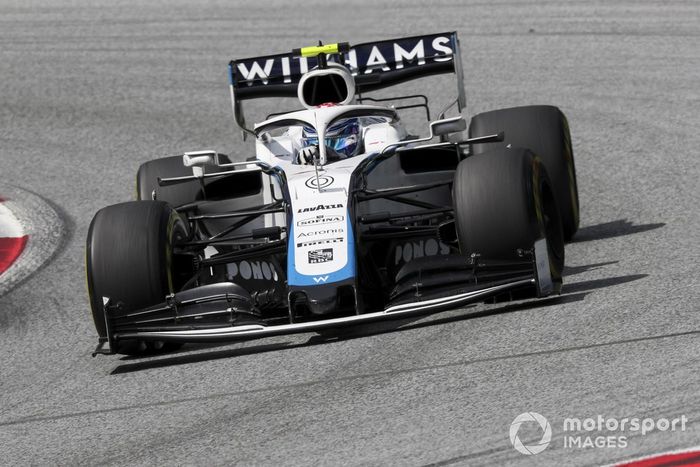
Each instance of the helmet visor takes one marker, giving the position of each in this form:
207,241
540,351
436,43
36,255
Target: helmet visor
343,137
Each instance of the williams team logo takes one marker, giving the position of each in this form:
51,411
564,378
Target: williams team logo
361,59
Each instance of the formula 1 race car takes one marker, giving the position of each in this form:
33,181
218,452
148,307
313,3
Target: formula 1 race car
342,216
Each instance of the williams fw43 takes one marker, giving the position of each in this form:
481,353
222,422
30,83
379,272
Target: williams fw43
341,216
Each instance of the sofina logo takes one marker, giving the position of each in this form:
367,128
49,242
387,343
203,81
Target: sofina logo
320,219
538,447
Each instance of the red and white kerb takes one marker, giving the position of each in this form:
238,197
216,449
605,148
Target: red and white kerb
686,458
12,238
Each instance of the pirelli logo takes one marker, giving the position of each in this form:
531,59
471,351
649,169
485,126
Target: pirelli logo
321,242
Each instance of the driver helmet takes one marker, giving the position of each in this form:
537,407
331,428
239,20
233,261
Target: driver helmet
343,137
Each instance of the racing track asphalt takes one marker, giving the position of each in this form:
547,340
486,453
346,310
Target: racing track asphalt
89,91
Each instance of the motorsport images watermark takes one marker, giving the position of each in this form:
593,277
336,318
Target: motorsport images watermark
537,447
605,432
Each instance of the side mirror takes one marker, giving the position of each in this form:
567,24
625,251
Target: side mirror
447,126
441,127
197,160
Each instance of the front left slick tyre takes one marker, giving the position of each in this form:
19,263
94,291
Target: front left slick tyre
504,202
129,256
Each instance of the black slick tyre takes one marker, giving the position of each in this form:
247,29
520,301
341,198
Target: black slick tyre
545,131
129,256
503,202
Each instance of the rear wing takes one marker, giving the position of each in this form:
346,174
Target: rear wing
374,65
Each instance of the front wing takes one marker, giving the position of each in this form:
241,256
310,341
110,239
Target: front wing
186,319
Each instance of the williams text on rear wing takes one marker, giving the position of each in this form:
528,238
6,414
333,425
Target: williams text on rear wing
374,65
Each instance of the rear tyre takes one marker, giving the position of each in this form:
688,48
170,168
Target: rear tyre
545,131
129,258
503,202
147,187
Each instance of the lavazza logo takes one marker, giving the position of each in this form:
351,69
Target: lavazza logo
319,207
597,432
